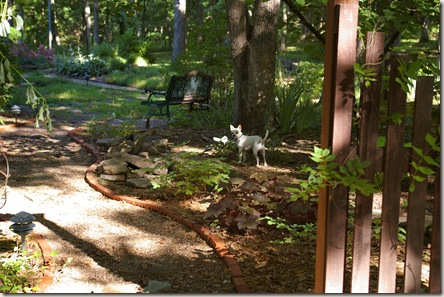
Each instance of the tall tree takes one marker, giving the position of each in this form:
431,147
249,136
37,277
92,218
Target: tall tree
87,26
253,49
96,22
54,26
180,28
283,45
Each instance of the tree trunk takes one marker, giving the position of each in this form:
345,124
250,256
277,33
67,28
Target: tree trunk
107,32
142,26
96,22
283,46
87,26
55,28
253,49
425,32
180,28
199,19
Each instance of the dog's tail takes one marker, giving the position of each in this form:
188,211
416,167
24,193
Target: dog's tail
266,136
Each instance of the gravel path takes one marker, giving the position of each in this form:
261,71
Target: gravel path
103,246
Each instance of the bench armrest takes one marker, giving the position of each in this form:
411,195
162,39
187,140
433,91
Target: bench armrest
153,92
156,95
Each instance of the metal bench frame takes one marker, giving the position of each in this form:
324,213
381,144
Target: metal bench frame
193,88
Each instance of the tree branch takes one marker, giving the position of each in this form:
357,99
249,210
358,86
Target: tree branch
304,21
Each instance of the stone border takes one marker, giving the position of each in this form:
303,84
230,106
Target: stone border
212,239
48,274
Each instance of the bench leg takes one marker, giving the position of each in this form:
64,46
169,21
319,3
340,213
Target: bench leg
147,124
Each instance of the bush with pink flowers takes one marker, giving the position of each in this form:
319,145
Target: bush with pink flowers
42,57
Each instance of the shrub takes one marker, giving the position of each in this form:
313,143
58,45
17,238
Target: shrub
16,272
105,51
310,76
116,63
292,110
40,58
78,65
191,176
100,130
286,112
248,201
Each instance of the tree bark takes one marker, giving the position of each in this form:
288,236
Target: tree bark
96,22
200,18
283,45
87,26
253,49
180,29
55,28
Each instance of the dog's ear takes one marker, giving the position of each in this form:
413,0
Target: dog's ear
239,127
231,127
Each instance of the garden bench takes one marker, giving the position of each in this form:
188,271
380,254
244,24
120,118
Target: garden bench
193,88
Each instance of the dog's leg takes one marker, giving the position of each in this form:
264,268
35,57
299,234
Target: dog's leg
256,156
244,156
263,155
240,155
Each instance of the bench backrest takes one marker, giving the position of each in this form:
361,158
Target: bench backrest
195,85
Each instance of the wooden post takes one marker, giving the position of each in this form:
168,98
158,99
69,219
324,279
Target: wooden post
370,98
336,133
392,181
422,123
435,251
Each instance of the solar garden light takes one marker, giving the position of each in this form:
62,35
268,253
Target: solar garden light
86,77
23,225
15,109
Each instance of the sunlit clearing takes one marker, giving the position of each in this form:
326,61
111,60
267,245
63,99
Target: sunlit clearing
189,149
140,62
66,95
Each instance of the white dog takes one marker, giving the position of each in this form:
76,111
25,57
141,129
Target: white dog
244,143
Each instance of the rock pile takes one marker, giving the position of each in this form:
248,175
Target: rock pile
137,161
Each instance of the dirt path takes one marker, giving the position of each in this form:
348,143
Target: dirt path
103,246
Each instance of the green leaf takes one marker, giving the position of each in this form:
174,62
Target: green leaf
397,118
431,140
330,158
317,159
2,74
419,178
381,142
404,86
325,153
426,170
418,151
431,161
360,170
31,97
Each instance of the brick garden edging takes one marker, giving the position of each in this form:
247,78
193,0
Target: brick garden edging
212,239
48,274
